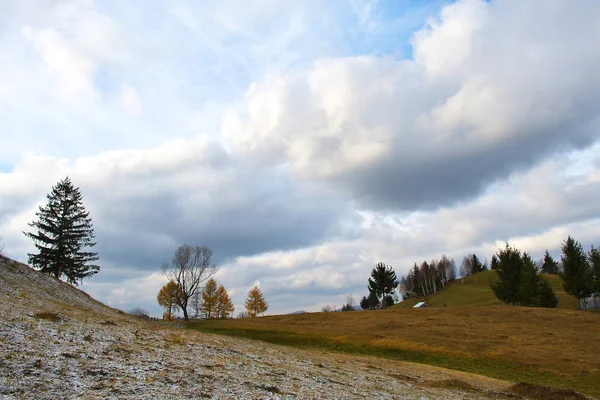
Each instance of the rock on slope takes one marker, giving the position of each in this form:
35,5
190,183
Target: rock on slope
57,342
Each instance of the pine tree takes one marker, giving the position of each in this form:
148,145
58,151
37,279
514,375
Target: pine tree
549,266
545,295
225,307
520,283
255,302
364,303
494,263
576,273
210,299
373,301
509,268
476,264
594,260
64,229
382,281
528,282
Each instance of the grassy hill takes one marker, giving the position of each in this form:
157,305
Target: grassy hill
550,347
58,342
474,290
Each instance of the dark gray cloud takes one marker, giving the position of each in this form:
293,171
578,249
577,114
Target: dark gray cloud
143,231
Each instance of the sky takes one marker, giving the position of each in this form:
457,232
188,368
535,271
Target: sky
303,142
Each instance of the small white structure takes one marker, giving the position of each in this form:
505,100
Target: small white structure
421,304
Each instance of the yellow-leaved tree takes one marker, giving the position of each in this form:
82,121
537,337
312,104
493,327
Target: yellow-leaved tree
167,299
255,302
210,299
224,306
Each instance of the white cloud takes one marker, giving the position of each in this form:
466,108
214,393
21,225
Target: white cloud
130,100
374,126
296,144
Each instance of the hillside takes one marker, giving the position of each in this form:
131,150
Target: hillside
57,342
474,290
550,347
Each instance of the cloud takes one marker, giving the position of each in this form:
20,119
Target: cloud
130,100
534,210
302,147
481,99
145,203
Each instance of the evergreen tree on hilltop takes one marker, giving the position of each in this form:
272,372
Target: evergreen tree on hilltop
549,266
494,264
477,265
520,282
382,282
509,268
594,259
576,273
64,229
528,284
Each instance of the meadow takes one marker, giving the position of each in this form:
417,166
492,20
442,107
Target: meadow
550,347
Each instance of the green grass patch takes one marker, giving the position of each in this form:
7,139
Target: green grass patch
475,290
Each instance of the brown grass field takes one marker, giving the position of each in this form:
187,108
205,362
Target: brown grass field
552,347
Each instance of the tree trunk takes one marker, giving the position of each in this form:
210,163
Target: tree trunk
184,305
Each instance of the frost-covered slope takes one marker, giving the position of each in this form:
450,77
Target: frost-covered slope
56,342
29,291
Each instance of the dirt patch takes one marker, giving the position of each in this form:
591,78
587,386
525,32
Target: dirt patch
48,316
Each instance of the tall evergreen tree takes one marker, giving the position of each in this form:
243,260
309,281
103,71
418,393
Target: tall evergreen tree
545,295
494,263
476,264
594,260
382,282
520,282
576,273
528,282
64,229
509,267
549,266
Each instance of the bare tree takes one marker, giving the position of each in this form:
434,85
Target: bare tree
190,267
1,248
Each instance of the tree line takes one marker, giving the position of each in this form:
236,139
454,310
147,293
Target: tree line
212,302
64,236
521,282
428,278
